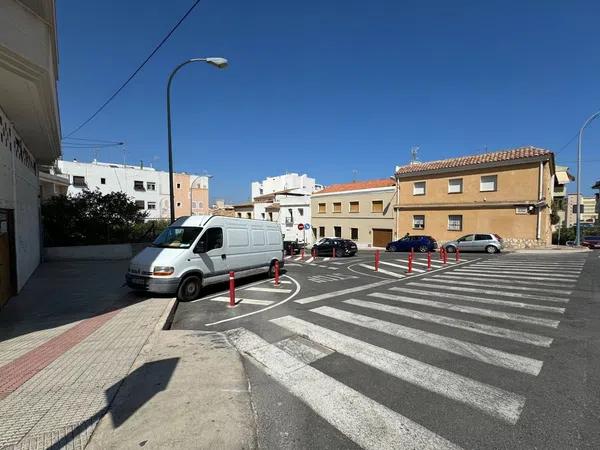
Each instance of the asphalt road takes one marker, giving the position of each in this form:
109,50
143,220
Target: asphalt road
494,351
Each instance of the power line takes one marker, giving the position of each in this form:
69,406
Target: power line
89,119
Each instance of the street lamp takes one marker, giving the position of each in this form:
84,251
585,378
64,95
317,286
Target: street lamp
219,63
585,124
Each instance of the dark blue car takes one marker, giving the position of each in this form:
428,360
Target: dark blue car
418,243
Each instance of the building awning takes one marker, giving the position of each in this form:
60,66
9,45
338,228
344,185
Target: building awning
563,177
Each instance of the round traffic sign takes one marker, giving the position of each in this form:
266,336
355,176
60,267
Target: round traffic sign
301,226
307,226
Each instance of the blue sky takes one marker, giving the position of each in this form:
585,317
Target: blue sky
325,88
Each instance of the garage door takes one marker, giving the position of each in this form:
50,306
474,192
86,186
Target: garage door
381,237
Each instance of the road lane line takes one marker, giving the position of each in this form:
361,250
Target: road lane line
434,264
519,272
261,289
514,275
309,260
487,301
364,421
494,401
489,292
507,278
243,301
459,347
540,270
475,327
470,310
329,295
405,268
383,271
507,284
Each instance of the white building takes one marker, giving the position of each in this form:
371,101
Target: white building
147,186
284,199
29,132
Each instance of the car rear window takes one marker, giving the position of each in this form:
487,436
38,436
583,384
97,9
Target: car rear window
498,237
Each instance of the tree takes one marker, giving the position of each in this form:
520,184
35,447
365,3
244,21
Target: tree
90,218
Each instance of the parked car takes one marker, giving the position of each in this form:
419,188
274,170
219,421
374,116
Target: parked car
200,250
479,242
343,247
591,241
418,243
288,246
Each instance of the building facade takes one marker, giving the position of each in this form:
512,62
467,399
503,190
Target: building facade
148,187
559,195
362,211
507,193
29,132
589,213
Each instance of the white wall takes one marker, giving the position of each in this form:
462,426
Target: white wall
295,204
288,181
19,191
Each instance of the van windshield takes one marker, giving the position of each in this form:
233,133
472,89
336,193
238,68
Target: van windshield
177,237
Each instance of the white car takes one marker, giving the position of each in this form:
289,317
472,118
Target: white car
200,250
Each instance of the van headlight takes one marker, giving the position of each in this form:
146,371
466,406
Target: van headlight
163,271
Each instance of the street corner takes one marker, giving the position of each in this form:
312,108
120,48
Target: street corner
246,299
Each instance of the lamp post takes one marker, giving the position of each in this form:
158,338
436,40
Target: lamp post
220,63
585,124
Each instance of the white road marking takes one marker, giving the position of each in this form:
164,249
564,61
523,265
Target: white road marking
489,292
401,267
302,349
329,295
475,327
434,265
512,274
506,278
293,265
385,272
297,258
486,283
535,271
487,301
282,282
364,421
470,310
261,289
243,301
339,263
285,300
466,349
491,400
534,264
309,260
569,277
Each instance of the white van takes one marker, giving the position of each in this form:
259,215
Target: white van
200,250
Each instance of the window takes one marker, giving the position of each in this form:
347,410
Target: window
301,211
138,186
488,183
263,216
337,207
178,185
151,186
455,186
455,223
102,180
321,231
271,216
210,240
337,231
354,234
140,204
419,222
354,208
419,188
177,237
467,238
79,181
322,208
377,206
151,205
179,204
239,215
248,215
581,208
483,237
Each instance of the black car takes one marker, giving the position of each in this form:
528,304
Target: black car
408,243
296,246
343,247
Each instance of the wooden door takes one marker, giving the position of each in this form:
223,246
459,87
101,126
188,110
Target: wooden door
381,237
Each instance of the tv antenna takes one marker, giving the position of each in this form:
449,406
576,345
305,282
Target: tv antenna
414,154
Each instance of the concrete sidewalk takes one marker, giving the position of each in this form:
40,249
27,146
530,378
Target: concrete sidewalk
75,339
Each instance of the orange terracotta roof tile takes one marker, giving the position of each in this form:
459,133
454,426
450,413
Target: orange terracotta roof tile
484,158
357,185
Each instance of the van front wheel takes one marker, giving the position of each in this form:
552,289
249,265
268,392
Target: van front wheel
189,289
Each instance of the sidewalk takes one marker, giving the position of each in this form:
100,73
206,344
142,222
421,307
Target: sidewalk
74,338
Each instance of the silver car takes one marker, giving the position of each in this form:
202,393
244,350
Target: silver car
479,242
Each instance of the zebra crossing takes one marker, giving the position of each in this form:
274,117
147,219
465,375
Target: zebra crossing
398,267
481,315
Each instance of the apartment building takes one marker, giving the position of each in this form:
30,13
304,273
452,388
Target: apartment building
589,213
559,194
362,211
29,132
505,192
147,186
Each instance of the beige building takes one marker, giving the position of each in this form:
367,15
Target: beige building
191,195
506,192
362,211
559,195
589,214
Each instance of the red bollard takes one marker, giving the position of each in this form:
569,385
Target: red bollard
276,273
376,260
333,254
314,254
445,256
457,255
291,251
410,260
442,254
231,289
302,254
428,260
412,252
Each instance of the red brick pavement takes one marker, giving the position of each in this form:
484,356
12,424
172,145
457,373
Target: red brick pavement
19,371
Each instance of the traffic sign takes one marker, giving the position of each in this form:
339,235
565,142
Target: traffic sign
301,226
307,226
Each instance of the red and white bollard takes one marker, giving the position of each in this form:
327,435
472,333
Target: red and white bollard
231,289
457,255
445,257
276,273
333,254
442,254
376,260
410,260
428,260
